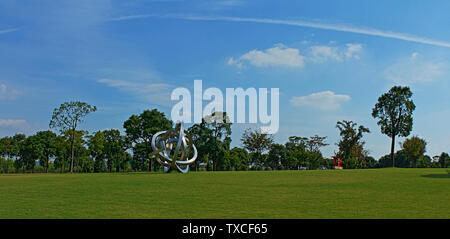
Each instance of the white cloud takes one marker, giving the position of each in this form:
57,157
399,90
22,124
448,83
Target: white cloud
353,50
222,4
4,31
326,100
323,53
310,24
156,93
6,93
278,55
232,62
12,123
414,70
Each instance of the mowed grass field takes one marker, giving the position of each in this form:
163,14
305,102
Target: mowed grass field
371,193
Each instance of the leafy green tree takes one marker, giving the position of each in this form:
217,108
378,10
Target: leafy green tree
256,142
66,149
212,139
351,144
29,152
277,154
67,117
6,147
238,159
371,162
394,111
63,153
6,164
45,147
444,160
139,131
414,148
297,154
424,161
401,160
202,138
115,149
219,128
96,147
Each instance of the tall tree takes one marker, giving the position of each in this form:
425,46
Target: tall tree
114,149
316,142
18,142
444,160
67,117
202,141
219,127
212,138
28,152
414,148
6,147
394,111
46,147
277,154
139,131
351,145
63,152
96,146
256,142
297,154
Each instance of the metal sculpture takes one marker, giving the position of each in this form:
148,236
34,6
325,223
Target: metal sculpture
172,149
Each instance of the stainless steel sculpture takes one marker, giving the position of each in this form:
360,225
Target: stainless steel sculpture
172,149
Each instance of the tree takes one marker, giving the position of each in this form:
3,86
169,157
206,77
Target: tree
316,142
237,159
414,148
351,146
202,141
212,138
6,147
45,147
444,160
114,149
63,152
277,155
139,131
96,145
67,117
256,142
296,153
16,143
28,152
394,111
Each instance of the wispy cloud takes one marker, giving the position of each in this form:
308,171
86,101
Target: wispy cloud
322,53
6,93
414,70
4,31
156,93
326,100
17,123
299,23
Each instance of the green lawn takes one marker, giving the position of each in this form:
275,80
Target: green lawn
374,193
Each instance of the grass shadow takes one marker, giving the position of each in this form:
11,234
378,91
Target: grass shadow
441,175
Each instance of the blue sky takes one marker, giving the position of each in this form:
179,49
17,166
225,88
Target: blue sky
330,59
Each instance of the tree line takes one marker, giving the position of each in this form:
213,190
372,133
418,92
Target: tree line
75,150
